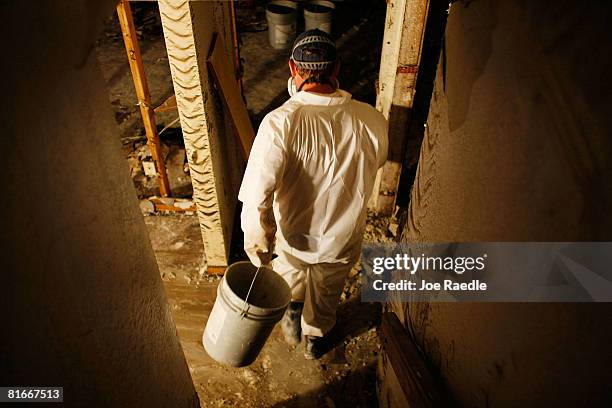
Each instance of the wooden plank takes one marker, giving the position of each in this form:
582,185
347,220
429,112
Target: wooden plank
142,92
169,105
216,270
187,39
235,42
389,390
418,384
160,205
401,53
226,82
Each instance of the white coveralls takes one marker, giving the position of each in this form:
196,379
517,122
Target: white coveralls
308,179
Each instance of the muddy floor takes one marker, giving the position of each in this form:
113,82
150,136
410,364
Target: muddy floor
281,376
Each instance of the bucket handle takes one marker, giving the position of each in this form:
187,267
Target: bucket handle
246,304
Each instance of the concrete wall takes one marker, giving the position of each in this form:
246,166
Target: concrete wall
518,148
83,305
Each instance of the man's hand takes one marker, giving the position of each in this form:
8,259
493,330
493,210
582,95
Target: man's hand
264,258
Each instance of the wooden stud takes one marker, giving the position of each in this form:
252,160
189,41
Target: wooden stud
401,54
160,205
416,381
220,67
142,92
216,270
168,105
235,42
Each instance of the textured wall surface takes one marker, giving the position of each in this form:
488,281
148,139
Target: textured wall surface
83,305
518,148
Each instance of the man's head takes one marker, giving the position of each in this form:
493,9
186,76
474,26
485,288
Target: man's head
314,59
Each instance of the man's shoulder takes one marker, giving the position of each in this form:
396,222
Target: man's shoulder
274,119
280,114
363,105
367,113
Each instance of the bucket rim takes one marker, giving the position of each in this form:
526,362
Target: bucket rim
237,302
325,3
287,3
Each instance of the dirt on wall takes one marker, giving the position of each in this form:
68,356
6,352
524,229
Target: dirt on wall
517,148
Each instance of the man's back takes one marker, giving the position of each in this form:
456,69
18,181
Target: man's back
325,152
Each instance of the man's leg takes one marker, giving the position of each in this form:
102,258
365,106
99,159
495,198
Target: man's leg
293,271
325,283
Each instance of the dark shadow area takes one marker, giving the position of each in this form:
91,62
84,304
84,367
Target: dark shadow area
278,59
237,244
356,389
359,26
399,118
353,318
112,55
148,30
432,47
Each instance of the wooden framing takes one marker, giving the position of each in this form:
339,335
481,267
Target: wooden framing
235,43
164,205
401,53
225,79
188,30
403,366
168,105
142,92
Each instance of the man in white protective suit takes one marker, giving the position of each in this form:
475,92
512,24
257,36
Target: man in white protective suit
306,186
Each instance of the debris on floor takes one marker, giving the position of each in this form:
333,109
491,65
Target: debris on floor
378,228
144,175
167,205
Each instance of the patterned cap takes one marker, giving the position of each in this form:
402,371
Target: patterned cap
318,41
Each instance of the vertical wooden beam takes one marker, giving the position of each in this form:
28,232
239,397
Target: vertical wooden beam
235,43
142,92
229,87
401,53
188,31
419,386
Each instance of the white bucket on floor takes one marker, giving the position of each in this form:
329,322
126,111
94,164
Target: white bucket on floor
237,330
282,23
319,14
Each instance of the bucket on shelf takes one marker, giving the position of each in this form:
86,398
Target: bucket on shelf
319,14
282,23
250,301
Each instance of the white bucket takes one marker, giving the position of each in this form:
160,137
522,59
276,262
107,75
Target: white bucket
282,23
318,14
237,330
